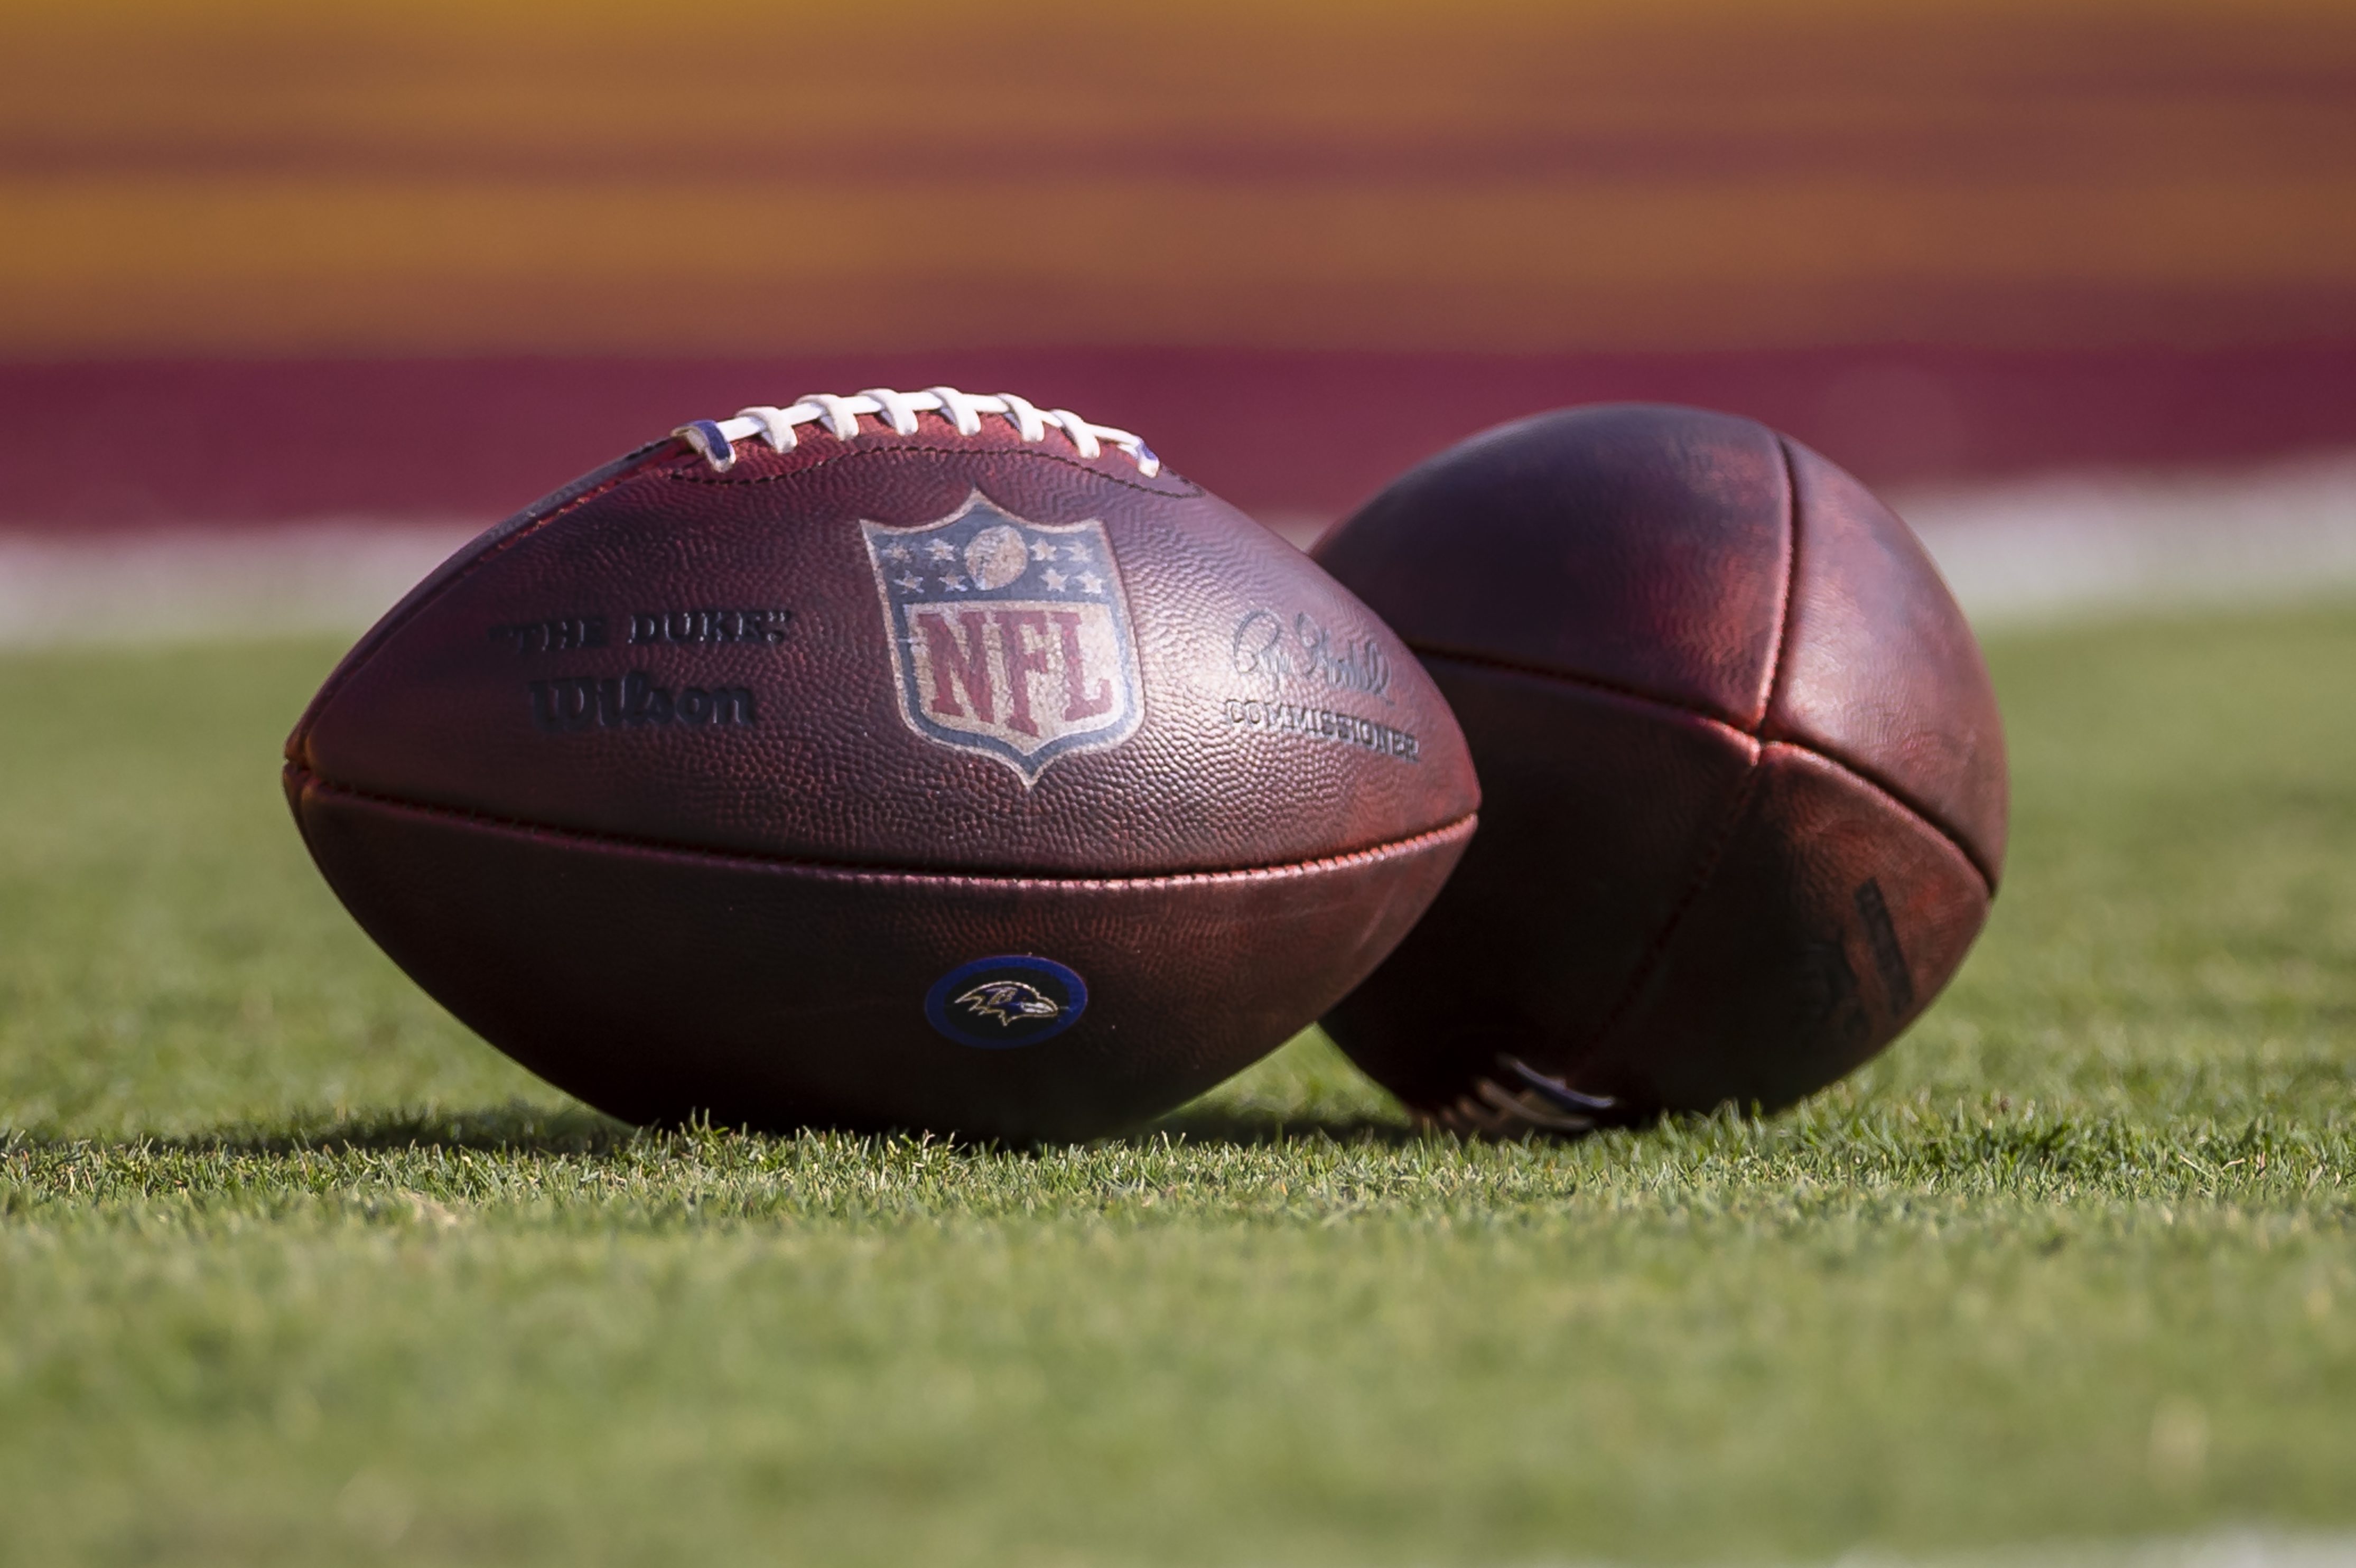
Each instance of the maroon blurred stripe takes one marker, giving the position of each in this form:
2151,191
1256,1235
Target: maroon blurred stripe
131,444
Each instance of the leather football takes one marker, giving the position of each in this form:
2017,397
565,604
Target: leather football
918,761
1743,776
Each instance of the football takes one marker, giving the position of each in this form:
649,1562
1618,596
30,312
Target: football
925,761
1743,776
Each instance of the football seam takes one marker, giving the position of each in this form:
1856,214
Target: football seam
1569,678
1188,489
1443,1105
1731,821
1898,797
837,870
1775,662
1656,950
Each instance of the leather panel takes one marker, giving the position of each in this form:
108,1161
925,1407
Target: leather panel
1638,548
1599,812
1232,627
658,985
1834,918
1882,670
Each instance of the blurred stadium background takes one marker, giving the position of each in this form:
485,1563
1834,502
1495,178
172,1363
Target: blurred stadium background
294,295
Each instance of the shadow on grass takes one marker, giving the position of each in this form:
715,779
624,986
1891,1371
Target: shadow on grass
513,1128
518,1128
1245,1127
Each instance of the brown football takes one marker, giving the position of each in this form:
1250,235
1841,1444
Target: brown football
1743,778
902,760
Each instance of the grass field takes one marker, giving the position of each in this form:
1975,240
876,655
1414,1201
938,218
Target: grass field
292,1270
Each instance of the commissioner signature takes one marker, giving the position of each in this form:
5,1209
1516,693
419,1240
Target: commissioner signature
1267,650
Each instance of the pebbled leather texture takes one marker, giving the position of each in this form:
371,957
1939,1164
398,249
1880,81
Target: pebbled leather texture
1671,586
1880,670
711,855
1744,774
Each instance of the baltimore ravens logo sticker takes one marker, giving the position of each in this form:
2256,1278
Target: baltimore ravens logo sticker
1009,1000
1008,638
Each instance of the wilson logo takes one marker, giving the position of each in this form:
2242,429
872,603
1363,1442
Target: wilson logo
633,701
1008,638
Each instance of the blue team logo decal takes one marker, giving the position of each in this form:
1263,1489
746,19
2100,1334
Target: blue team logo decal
1014,999
1008,638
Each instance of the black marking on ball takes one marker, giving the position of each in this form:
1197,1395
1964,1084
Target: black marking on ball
1881,935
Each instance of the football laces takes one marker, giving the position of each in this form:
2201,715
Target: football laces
1532,1103
897,412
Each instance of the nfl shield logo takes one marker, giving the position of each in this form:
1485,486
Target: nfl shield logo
1008,638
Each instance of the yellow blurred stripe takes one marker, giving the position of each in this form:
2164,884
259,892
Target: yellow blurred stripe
296,264
280,175
854,91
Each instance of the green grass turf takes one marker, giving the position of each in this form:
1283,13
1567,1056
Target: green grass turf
292,1270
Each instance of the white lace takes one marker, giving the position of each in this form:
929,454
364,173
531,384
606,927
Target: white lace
716,439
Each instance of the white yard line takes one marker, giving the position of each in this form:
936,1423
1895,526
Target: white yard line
2063,547
183,585
2071,546
2247,1548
